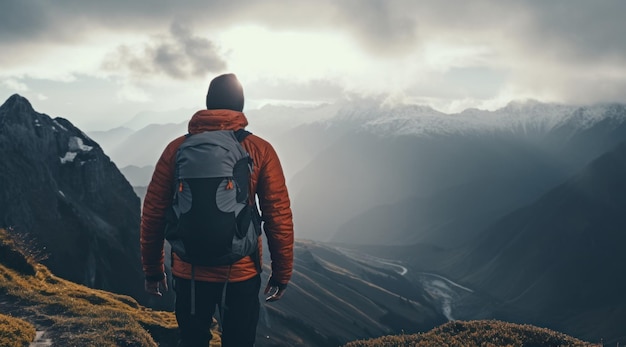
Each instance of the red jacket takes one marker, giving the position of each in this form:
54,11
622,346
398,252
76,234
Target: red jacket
267,182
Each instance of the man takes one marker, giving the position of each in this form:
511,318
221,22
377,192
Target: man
224,103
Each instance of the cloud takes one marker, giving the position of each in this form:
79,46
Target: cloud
564,28
133,94
577,30
314,90
179,55
15,85
382,27
20,20
561,49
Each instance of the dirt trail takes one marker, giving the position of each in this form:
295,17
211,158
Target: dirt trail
40,341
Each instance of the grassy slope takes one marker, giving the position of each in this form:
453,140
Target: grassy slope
72,314
487,333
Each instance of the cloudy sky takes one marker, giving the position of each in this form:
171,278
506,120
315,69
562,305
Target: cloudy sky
98,63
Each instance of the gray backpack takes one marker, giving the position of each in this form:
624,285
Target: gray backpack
212,221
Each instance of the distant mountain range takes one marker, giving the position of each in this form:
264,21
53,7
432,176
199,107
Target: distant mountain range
440,185
378,163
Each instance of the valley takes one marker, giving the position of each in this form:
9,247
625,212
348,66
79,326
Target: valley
452,299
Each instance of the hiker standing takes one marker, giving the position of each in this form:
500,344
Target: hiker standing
205,276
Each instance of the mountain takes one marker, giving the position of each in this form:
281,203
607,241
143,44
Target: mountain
142,147
560,261
110,139
410,174
146,118
138,176
65,195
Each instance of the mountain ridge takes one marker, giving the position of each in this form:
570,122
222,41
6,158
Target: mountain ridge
558,259
283,126
68,197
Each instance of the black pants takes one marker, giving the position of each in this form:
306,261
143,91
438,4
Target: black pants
241,313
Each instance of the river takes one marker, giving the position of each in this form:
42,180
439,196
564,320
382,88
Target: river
445,292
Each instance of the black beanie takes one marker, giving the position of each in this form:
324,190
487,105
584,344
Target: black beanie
225,92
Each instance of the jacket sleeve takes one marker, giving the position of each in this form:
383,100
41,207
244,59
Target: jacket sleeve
276,214
158,199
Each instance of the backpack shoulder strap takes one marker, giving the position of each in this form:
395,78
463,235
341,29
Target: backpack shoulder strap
241,134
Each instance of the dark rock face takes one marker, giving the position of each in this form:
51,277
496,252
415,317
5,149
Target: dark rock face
60,189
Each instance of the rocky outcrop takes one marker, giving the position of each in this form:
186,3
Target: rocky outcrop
68,198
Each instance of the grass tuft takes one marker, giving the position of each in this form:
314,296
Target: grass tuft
12,256
15,332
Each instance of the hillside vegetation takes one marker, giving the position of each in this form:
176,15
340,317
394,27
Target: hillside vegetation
15,332
477,333
71,314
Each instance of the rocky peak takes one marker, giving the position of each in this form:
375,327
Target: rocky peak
17,103
70,199
16,109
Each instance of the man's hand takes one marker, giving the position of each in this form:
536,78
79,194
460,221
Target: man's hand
275,290
154,287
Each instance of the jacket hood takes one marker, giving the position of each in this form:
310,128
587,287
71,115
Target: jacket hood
209,120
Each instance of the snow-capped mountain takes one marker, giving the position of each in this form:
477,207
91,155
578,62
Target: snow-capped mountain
465,168
521,118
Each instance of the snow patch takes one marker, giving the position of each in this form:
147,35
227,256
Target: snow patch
75,145
68,158
59,125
